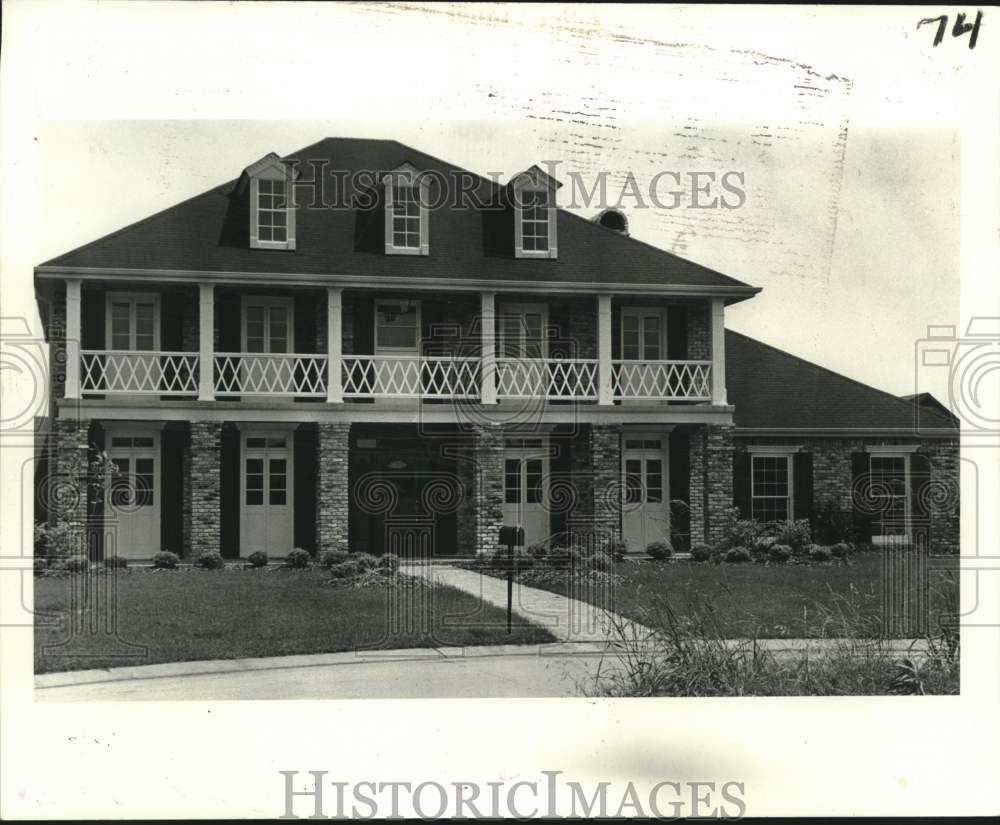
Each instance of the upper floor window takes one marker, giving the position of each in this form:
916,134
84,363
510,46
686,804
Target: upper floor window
406,218
271,194
534,214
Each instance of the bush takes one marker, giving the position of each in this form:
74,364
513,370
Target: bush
701,552
795,534
41,565
840,550
211,561
116,562
257,559
779,553
346,570
762,545
366,561
565,556
736,555
537,551
741,532
659,550
76,564
616,549
328,558
166,560
298,559
819,553
389,563
601,561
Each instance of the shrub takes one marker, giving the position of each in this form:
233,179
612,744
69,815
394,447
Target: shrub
741,532
779,553
616,549
166,560
211,561
41,565
328,558
58,541
601,561
116,562
840,550
298,559
257,559
659,550
366,561
819,553
701,552
793,533
736,555
389,563
565,556
346,570
537,551
762,545
76,564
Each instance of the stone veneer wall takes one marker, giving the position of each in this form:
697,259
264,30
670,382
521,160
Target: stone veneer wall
833,477
333,494
488,488
606,455
57,342
67,490
711,482
206,498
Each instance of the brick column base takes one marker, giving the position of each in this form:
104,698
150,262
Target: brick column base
67,489
206,472
711,482
488,488
333,495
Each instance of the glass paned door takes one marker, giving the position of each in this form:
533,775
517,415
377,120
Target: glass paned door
525,471
522,370
133,499
646,516
266,506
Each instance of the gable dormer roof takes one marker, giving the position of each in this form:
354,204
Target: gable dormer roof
270,162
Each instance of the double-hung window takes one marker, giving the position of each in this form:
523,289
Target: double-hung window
771,487
406,212
889,474
534,199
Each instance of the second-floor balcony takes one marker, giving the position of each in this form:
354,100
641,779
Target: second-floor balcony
295,348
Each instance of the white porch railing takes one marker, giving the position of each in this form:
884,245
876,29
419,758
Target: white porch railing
662,380
410,376
132,372
290,374
551,378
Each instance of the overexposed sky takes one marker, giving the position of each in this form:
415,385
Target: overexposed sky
850,156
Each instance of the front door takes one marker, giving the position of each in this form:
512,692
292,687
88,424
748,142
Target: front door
133,518
525,470
522,370
646,512
132,330
266,515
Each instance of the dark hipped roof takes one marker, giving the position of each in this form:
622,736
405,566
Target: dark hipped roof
775,390
204,234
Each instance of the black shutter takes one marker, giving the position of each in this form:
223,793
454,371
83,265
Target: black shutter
171,321
230,322
364,325
741,483
677,333
862,505
920,479
802,470
92,331
306,304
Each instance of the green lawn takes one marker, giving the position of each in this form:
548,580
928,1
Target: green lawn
782,600
200,614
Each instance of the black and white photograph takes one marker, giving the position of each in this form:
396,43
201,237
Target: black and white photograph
479,410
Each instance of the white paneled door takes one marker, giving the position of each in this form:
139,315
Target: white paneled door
646,512
266,508
525,474
133,499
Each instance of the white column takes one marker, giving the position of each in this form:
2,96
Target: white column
334,345
206,343
719,351
488,360
72,339
605,392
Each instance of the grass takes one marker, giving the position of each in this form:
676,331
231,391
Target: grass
228,614
763,601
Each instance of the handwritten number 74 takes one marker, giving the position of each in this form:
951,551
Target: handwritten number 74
960,27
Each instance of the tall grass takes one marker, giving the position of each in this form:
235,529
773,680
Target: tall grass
689,655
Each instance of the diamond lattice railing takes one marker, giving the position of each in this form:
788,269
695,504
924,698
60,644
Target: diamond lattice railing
136,372
410,376
555,378
662,380
270,374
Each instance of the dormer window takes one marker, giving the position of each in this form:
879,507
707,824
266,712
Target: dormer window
534,214
269,186
406,229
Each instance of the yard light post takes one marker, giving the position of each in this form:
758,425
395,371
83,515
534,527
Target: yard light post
511,536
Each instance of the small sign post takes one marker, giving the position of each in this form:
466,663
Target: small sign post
511,536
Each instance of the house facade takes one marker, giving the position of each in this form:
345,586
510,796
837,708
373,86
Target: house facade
334,352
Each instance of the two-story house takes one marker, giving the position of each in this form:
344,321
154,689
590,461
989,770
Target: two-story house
335,351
